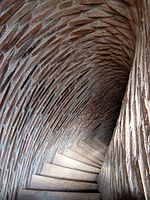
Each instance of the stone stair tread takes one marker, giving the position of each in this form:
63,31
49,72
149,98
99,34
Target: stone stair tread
54,184
92,151
101,147
51,195
98,142
65,161
83,152
56,171
72,154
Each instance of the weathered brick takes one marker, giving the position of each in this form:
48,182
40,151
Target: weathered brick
25,19
33,32
80,21
65,4
16,38
2,30
6,40
23,11
6,3
92,1
45,6
131,2
5,16
95,13
40,17
82,31
74,10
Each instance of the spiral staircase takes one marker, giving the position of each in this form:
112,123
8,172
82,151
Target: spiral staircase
72,174
74,69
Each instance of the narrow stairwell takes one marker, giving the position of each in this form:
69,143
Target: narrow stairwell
72,175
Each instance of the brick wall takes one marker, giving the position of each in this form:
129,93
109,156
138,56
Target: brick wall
125,173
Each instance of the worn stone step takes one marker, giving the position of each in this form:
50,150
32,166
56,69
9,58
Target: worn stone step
54,184
86,154
99,147
98,142
56,171
65,161
72,154
51,195
92,151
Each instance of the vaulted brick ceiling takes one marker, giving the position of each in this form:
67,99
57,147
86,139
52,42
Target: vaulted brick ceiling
64,70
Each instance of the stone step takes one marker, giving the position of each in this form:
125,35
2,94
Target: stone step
98,142
49,195
97,146
47,183
65,161
56,171
72,154
92,151
86,154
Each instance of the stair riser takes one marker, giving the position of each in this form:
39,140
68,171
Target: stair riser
66,173
79,157
45,183
64,161
46,195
